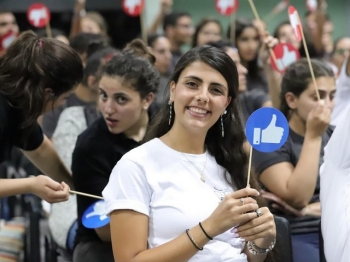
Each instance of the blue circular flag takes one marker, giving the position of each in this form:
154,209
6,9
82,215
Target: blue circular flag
267,129
95,216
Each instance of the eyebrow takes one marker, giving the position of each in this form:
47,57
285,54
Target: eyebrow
201,81
114,94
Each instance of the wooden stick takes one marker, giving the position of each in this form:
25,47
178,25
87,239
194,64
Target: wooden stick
257,17
309,62
233,28
249,164
48,30
84,194
143,27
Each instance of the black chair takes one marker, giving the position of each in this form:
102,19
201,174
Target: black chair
321,244
283,245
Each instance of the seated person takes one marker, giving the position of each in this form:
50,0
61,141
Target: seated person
292,172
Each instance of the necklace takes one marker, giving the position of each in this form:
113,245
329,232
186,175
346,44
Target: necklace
206,158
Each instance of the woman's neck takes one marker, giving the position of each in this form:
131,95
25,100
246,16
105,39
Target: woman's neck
181,140
138,131
297,124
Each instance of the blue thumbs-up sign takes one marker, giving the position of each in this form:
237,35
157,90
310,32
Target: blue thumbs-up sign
267,129
95,215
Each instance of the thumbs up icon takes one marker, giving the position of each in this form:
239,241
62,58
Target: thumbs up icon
271,134
36,15
288,58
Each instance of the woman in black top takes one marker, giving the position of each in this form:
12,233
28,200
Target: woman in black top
36,76
291,174
127,89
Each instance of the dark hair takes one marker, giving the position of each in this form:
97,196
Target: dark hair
276,33
152,38
297,78
95,62
200,26
32,64
80,42
135,66
253,66
228,150
172,19
137,47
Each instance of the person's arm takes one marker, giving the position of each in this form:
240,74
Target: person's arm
46,159
41,186
164,9
79,9
296,185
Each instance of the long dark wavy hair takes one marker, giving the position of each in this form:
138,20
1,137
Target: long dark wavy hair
228,151
32,64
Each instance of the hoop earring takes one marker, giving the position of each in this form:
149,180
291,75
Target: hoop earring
171,110
222,124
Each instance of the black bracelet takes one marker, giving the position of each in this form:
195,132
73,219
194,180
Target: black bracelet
205,233
192,240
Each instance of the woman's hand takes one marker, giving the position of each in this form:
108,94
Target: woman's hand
262,226
268,42
232,212
318,120
278,203
49,190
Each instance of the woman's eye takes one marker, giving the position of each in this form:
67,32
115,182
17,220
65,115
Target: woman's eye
191,84
217,90
103,96
121,100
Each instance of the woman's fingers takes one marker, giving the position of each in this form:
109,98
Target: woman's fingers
257,227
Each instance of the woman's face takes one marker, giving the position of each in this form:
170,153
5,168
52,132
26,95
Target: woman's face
89,26
200,96
307,100
120,105
211,32
248,44
162,51
286,35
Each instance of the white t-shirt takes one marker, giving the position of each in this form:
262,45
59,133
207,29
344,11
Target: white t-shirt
342,96
157,181
335,193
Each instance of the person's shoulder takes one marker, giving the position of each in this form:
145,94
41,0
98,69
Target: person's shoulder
144,152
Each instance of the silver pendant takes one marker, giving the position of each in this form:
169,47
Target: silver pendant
202,178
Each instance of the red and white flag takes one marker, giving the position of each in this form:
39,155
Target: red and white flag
133,7
295,22
226,7
38,15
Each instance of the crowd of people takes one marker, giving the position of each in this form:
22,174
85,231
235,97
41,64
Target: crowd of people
159,133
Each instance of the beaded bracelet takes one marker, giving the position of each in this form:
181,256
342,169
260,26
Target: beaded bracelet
192,240
255,250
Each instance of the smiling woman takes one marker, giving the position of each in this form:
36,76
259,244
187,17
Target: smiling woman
179,196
